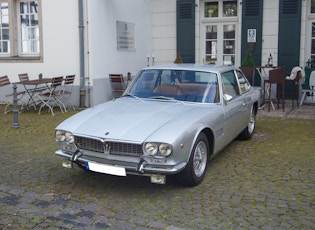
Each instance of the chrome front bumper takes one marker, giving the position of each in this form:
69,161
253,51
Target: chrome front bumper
141,168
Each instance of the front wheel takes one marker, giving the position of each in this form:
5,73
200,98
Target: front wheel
195,170
248,132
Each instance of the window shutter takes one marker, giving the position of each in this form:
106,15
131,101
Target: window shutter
252,19
289,34
185,30
252,16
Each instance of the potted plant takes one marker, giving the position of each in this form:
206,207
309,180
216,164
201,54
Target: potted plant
247,66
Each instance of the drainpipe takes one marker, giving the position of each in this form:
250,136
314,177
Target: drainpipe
81,44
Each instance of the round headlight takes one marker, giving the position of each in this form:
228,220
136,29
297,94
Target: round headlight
165,149
151,148
60,135
69,138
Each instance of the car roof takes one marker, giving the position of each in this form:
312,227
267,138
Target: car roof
193,67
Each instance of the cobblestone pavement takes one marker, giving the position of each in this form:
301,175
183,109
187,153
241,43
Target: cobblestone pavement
265,183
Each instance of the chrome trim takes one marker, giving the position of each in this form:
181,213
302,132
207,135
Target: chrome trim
140,168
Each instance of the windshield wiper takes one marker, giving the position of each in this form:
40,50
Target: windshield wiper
130,95
163,98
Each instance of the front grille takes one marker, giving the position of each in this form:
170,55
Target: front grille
117,148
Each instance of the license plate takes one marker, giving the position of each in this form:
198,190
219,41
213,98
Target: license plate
107,169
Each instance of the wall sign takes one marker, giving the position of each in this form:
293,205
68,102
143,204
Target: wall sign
251,35
126,36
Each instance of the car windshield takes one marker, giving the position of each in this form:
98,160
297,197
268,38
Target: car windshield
182,85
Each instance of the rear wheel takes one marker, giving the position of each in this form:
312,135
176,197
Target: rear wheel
195,170
248,132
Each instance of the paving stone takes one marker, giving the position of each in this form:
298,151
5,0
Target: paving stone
265,183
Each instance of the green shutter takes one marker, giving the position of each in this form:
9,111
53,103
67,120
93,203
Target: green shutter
289,38
252,16
289,34
185,30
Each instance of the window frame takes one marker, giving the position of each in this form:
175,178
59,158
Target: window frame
15,37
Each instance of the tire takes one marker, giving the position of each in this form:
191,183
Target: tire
196,167
248,132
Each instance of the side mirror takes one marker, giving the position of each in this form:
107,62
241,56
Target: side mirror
227,97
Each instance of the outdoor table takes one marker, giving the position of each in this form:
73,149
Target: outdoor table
33,86
264,76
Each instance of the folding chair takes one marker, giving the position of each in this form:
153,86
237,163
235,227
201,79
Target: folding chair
23,77
66,92
4,81
49,98
117,83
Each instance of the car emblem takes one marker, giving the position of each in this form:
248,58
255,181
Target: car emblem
106,133
106,148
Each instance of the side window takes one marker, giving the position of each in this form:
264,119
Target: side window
244,85
230,85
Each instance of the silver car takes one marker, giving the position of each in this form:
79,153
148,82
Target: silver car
170,120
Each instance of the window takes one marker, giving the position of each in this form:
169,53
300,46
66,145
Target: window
244,85
4,28
211,44
212,9
219,27
313,43
20,35
230,85
229,8
228,44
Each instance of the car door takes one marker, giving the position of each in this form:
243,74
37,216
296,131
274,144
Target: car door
233,105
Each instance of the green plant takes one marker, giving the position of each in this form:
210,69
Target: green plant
248,60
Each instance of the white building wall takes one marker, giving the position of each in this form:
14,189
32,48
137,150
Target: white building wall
163,31
270,31
102,55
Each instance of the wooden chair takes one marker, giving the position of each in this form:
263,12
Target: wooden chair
117,83
248,73
23,77
278,77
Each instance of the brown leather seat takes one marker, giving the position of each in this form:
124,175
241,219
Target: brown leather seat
169,90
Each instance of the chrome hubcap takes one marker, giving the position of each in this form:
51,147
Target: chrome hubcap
200,158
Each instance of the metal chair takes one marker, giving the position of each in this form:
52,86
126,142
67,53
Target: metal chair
50,97
311,90
66,91
5,81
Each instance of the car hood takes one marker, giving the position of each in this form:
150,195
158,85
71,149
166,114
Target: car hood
130,119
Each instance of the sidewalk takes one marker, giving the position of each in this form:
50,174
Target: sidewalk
305,111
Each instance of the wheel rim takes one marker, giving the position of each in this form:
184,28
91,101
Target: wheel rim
251,123
200,158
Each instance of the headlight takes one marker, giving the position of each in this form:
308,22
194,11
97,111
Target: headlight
165,149
60,136
69,137
153,149
63,136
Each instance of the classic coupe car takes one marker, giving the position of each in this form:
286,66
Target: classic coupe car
171,119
